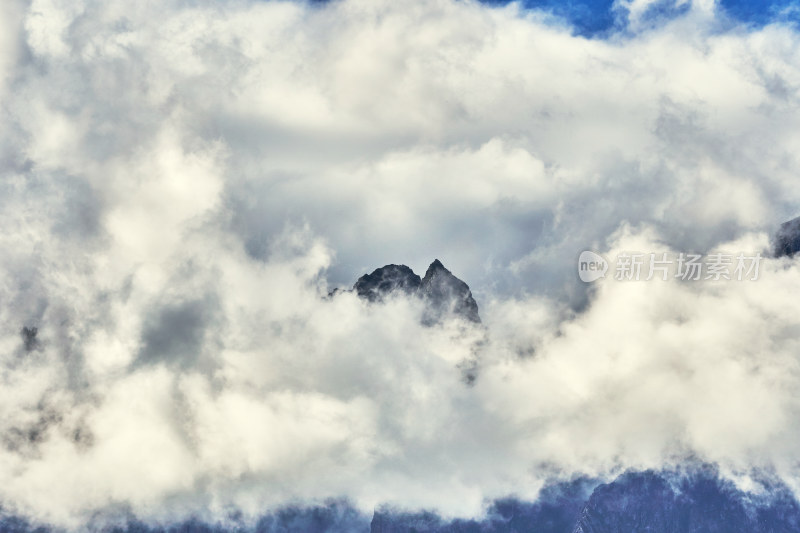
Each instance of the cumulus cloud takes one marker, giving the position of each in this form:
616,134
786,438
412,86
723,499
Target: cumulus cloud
183,184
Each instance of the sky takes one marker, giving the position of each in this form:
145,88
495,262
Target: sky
182,184
600,18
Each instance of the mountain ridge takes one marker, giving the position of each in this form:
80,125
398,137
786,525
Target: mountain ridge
444,294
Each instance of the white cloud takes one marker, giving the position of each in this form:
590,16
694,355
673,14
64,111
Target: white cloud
182,185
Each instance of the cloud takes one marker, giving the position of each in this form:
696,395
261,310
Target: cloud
182,186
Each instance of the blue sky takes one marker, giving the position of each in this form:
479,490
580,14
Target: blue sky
597,17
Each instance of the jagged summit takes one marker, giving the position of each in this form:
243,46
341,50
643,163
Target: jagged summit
787,240
443,293
436,265
385,280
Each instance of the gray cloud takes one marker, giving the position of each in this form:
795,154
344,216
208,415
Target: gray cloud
176,333
182,185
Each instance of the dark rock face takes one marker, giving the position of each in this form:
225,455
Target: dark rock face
386,280
787,240
556,511
700,502
443,293
637,502
653,502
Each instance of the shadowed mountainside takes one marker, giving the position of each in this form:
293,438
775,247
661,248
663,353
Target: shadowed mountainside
786,241
443,293
694,501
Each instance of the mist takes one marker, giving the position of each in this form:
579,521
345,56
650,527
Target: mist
183,184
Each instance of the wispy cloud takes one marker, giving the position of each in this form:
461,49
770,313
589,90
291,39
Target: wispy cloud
182,184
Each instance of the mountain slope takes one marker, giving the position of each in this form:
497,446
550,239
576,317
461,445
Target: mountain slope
443,293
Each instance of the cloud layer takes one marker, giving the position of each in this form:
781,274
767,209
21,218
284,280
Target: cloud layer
182,184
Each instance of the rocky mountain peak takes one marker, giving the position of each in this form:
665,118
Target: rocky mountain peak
386,280
787,240
435,267
444,294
